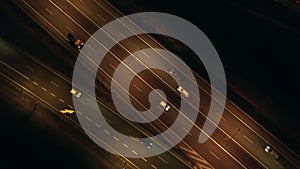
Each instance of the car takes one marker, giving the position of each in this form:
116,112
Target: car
143,141
165,106
272,152
183,91
75,92
75,41
173,72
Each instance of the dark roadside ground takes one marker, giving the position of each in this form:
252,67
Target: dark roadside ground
259,52
258,43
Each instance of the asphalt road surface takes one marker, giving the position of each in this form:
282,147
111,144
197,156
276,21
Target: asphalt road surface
238,141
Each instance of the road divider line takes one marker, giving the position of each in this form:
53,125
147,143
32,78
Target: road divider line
189,133
144,159
51,25
71,30
48,10
125,145
217,157
162,159
61,100
68,16
135,152
112,66
107,132
137,88
221,117
52,94
88,118
44,89
116,138
79,112
96,124
54,84
108,120
70,106
107,11
35,83
153,166
21,74
146,55
122,35
101,17
248,139
89,46
28,67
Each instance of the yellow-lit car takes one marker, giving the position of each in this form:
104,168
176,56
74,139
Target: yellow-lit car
183,91
165,106
75,92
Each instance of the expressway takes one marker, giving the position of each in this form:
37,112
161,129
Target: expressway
237,143
53,91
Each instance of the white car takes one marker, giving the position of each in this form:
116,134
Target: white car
75,93
142,140
183,91
165,105
272,152
173,72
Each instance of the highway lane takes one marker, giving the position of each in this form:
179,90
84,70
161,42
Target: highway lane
229,130
52,22
53,89
242,137
166,121
249,130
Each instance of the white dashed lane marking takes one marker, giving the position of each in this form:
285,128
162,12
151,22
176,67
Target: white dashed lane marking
116,138
217,157
50,12
125,145
70,106
88,118
144,159
107,132
97,125
54,84
28,67
153,166
248,139
101,17
44,89
162,159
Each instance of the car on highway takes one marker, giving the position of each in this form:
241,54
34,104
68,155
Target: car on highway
75,92
174,74
75,41
165,106
183,91
272,152
144,141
